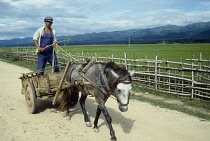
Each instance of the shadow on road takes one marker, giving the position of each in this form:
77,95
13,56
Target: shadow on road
117,117
91,106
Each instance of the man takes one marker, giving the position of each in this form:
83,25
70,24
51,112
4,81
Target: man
43,37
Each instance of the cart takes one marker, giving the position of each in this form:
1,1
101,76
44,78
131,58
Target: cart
45,85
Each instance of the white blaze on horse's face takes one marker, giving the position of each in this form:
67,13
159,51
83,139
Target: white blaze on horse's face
123,92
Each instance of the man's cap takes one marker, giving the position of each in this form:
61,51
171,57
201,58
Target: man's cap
48,19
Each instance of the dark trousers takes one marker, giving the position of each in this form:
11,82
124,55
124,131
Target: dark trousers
44,58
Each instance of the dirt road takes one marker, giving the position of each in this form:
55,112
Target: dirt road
142,122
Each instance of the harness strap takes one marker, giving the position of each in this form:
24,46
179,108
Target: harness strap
126,82
105,80
91,83
84,70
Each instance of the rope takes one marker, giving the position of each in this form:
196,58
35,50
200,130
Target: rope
59,48
66,53
57,42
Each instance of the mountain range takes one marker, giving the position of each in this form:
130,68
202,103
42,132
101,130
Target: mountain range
192,33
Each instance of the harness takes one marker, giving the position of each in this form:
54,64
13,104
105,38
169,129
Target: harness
83,69
85,81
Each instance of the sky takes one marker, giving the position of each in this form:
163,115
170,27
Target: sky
21,18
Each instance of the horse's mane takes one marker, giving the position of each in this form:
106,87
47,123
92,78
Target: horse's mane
121,71
116,68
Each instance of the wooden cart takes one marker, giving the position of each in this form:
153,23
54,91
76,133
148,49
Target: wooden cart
36,84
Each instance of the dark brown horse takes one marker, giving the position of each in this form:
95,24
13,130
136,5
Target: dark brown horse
101,80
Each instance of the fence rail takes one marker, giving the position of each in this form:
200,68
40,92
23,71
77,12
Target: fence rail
190,77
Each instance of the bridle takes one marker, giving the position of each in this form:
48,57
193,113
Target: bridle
111,88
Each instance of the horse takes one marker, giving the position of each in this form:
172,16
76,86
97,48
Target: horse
100,80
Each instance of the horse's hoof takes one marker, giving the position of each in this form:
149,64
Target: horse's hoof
88,124
69,118
96,130
113,139
65,115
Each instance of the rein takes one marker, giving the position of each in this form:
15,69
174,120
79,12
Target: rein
57,42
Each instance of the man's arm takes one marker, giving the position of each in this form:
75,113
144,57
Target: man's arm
37,45
36,37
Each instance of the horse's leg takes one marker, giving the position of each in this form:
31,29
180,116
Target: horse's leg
68,99
108,120
67,108
98,113
82,104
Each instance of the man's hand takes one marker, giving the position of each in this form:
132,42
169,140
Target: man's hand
40,49
55,44
37,45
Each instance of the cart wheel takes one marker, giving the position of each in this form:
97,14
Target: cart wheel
74,99
30,97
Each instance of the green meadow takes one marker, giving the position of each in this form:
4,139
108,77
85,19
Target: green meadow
172,52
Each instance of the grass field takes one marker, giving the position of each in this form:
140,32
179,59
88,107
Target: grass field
171,51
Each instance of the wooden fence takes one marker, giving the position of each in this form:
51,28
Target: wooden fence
189,77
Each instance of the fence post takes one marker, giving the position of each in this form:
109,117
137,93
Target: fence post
26,53
83,57
200,75
19,58
209,66
200,61
134,59
96,55
156,70
168,73
147,77
182,73
192,89
126,65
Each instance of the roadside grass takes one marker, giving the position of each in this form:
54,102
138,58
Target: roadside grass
194,107
29,65
16,61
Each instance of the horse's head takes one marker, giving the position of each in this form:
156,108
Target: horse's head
120,83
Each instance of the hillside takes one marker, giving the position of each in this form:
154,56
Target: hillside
193,33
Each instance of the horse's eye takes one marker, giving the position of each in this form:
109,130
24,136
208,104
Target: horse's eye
118,90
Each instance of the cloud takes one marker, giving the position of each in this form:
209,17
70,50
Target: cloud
71,17
23,3
205,4
176,18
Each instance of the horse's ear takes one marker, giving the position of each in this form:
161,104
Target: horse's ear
114,74
132,72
